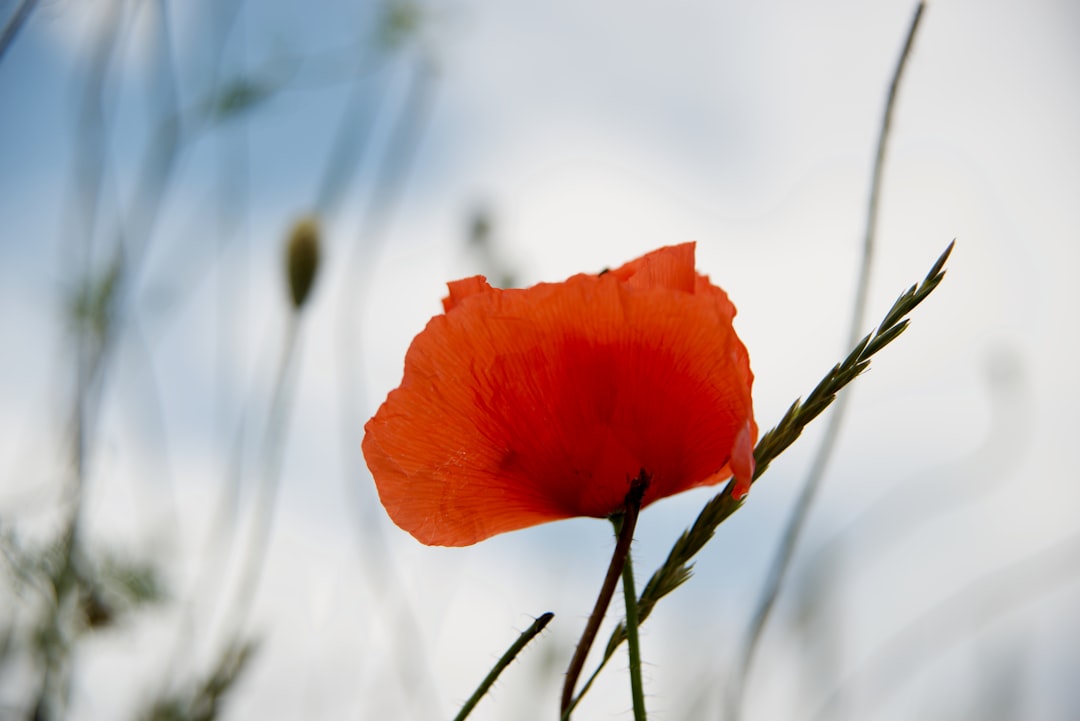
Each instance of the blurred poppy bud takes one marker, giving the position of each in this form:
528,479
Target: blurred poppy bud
302,259
97,612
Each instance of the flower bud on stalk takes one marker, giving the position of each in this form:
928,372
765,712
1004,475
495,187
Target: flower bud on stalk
302,260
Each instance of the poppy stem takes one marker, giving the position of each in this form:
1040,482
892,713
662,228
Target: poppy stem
633,648
507,658
607,590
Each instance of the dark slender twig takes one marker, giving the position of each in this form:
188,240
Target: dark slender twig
793,529
607,590
507,658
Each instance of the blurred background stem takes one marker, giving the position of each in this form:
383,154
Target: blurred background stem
818,467
273,450
954,618
15,23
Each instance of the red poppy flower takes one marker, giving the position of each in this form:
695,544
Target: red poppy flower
524,406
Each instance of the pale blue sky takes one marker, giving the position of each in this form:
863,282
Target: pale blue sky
595,132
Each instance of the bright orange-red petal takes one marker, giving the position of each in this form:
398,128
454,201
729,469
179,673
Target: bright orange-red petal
524,406
671,267
461,289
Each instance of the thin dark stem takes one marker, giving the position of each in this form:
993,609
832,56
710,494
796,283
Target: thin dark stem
607,590
507,658
801,511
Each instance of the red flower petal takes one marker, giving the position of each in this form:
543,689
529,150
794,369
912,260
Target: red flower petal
524,406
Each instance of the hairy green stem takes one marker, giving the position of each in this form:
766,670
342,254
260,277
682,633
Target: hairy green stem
632,645
507,658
